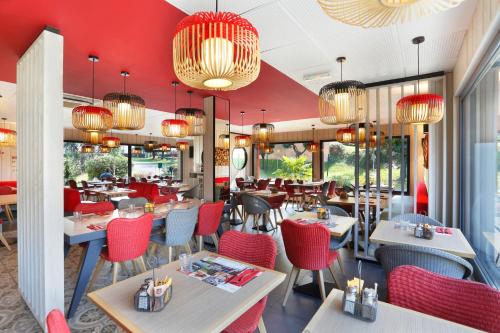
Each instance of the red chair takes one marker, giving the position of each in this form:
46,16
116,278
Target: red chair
307,246
71,200
169,190
276,202
95,207
255,249
262,184
465,302
87,191
292,195
331,188
6,190
209,216
56,323
132,180
277,183
160,199
127,239
239,182
422,199
144,180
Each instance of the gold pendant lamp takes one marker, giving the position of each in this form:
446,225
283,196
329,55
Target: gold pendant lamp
224,139
312,146
194,117
182,145
150,145
242,140
174,128
262,133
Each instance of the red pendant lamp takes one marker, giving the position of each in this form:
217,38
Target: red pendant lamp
312,146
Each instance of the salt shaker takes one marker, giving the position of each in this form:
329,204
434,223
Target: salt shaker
350,299
368,302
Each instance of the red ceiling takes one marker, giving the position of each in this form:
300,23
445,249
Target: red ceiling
135,36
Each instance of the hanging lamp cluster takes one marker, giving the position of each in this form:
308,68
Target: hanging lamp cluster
379,13
420,108
7,136
216,51
242,140
342,102
312,146
195,118
262,133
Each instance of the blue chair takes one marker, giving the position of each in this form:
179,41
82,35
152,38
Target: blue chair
337,243
179,229
417,218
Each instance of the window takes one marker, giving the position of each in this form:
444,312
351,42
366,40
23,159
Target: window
480,170
287,161
338,163
157,163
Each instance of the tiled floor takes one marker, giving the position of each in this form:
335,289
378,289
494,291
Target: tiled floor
15,316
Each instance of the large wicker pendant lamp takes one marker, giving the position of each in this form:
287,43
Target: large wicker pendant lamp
216,51
194,117
342,102
242,140
262,133
150,145
224,140
128,109
420,108
312,146
7,136
90,118
111,141
174,128
379,13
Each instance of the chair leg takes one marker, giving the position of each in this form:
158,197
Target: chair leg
97,269
153,249
200,243
341,264
134,265
293,274
4,242
261,326
169,254
281,214
216,241
125,268
256,222
188,248
141,263
321,283
334,279
115,272
244,223
296,277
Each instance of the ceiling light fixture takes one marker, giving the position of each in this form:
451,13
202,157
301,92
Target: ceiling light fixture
104,149
216,51
90,118
174,128
242,141
111,141
312,146
342,102
182,145
262,132
128,109
224,139
195,118
150,145
87,149
136,150
419,108
379,13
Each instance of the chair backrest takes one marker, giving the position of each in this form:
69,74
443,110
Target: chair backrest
169,190
336,210
165,198
276,201
440,262
300,181
71,199
128,238
278,182
209,216
289,188
262,184
85,185
465,302
417,218
132,180
287,182
331,188
192,193
306,245
254,204
422,198
179,226
144,180
95,207
255,249
56,323
324,188
72,184
138,202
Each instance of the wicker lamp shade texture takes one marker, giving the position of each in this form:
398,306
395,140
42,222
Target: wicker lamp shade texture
312,147
420,109
7,137
182,145
216,51
128,110
104,149
111,141
149,145
223,141
342,102
91,118
379,13
242,141
174,128
87,149
165,147
262,133
195,119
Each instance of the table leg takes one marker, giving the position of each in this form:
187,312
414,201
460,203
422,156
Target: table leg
89,261
8,213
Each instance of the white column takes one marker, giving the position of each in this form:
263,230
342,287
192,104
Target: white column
209,148
40,175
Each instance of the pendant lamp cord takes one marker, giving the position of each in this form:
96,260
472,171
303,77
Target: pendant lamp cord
263,115
216,6
93,79
418,68
124,83
341,63
175,97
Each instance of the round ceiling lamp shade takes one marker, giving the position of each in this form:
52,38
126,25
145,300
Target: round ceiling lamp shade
94,138
7,136
87,149
262,132
268,149
104,149
194,117
224,141
342,102
242,141
174,128
136,151
165,147
111,141
379,13
420,108
216,51
182,145
312,146
128,110
150,145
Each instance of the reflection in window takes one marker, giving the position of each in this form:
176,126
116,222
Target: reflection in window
287,161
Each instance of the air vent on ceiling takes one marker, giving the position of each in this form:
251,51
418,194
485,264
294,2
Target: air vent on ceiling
317,76
72,101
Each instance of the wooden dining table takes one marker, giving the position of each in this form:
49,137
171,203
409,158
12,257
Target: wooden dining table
390,318
195,306
78,232
5,201
456,243
103,194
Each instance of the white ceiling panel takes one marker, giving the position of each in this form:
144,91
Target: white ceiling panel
236,6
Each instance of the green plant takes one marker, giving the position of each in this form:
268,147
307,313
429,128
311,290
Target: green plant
294,168
118,165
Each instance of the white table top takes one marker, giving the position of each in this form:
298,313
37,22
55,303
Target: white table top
385,233
195,305
390,318
343,223
114,192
